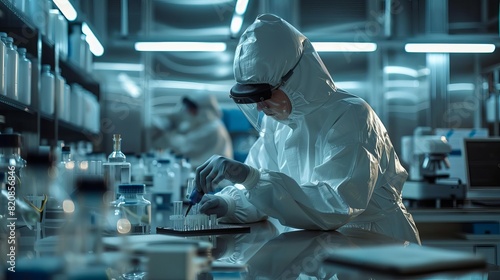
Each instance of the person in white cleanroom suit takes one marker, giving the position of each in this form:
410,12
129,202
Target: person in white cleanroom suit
323,161
195,130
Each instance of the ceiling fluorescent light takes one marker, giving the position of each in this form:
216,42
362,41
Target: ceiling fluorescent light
236,24
237,20
180,47
189,85
449,48
344,47
66,9
241,7
118,66
95,46
461,87
129,85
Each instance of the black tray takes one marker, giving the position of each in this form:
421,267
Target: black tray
220,229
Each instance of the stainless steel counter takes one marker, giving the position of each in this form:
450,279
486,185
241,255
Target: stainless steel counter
268,251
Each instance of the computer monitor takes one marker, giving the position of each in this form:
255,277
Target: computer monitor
482,164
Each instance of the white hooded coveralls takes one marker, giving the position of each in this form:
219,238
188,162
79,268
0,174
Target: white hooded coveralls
198,137
331,164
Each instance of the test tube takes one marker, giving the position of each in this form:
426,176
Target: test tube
177,219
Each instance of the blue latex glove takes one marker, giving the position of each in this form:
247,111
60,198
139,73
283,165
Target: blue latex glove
213,204
218,168
195,196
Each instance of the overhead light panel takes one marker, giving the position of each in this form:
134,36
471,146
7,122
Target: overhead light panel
112,66
189,85
66,9
237,20
241,7
180,46
95,46
449,48
344,47
129,85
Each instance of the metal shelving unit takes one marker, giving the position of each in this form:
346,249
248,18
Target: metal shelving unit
23,118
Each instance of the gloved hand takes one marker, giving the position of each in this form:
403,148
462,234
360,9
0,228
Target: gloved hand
213,204
218,168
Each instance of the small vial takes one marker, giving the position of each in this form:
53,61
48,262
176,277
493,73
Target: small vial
135,210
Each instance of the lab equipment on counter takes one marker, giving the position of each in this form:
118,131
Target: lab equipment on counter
427,156
80,240
134,209
197,224
194,196
116,169
164,185
482,163
11,167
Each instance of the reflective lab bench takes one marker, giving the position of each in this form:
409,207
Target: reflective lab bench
272,251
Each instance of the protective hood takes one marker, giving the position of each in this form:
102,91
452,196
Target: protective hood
268,49
208,107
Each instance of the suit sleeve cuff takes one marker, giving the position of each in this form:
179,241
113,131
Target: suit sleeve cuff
252,179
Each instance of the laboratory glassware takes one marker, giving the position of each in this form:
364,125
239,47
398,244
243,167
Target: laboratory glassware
116,169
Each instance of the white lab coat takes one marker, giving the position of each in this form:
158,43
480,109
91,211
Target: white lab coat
331,164
197,137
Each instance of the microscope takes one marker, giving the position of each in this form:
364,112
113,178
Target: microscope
427,158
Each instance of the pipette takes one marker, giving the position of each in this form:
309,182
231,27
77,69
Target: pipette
194,198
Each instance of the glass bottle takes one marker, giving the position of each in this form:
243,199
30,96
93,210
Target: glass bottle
135,210
41,191
11,62
67,103
163,184
66,170
11,162
116,169
59,83
80,240
46,94
3,54
24,77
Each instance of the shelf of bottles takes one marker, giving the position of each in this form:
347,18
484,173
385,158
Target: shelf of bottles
53,88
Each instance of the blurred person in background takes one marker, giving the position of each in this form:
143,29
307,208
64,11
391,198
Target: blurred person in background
194,129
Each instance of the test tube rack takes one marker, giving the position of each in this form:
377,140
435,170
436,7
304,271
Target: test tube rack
197,224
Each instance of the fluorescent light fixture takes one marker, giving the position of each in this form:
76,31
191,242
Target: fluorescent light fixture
241,7
66,9
349,85
237,20
95,46
401,70
344,47
236,24
118,66
189,85
461,87
129,85
402,84
180,46
449,48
